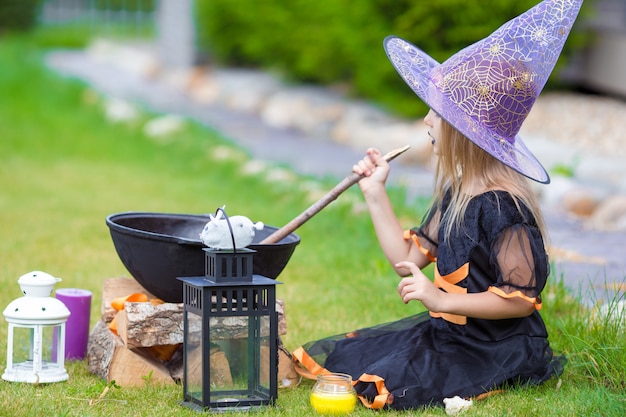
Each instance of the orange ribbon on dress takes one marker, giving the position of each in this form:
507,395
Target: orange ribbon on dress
449,284
306,366
383,397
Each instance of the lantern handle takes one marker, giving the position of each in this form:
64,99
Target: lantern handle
230,227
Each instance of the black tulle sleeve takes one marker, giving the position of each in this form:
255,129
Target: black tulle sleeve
428,231
519,256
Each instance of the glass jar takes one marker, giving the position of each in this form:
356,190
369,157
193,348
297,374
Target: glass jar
333,394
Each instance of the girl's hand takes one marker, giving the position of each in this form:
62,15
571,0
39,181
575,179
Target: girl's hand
374,169
418,287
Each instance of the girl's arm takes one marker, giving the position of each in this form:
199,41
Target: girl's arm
388,229
484,305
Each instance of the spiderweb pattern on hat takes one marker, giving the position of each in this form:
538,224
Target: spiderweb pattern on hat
487,89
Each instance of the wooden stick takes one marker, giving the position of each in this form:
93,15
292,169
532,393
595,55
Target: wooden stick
316,207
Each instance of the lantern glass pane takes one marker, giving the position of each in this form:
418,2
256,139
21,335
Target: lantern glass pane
193,354
22,344
28,340
240,358
50,337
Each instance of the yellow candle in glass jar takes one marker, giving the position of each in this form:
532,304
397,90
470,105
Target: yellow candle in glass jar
333,394
333,403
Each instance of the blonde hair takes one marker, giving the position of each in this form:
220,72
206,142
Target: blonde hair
460,164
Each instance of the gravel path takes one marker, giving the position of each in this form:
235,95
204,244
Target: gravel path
588,123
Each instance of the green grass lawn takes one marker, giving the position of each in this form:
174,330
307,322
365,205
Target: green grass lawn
65,167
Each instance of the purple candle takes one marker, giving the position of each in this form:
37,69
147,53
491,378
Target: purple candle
77,326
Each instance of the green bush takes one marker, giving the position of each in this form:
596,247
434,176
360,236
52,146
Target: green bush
18,15
340,41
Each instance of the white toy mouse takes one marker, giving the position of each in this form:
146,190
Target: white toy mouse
456,405
217,235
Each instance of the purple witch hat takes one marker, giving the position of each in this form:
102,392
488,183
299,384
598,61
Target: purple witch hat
487,89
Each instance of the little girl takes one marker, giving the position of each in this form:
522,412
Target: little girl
483,330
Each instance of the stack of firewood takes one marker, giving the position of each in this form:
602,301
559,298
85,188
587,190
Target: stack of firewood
148,346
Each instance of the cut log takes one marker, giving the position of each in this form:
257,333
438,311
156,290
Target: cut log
282,317
100,349
163,353
287,375
121,287
118,287
220,370
110,359
147,325
133,369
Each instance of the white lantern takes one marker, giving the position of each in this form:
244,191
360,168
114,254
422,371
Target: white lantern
36,337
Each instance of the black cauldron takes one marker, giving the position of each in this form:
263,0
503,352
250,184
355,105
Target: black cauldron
158,248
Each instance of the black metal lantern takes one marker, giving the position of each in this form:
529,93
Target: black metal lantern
230,334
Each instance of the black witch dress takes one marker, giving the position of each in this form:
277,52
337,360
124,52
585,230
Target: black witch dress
422,359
